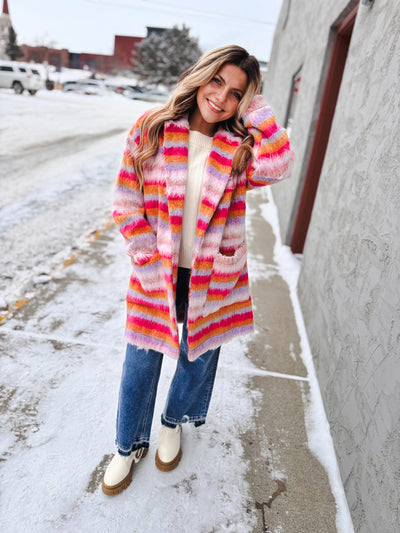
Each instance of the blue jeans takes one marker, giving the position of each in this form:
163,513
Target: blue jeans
189,393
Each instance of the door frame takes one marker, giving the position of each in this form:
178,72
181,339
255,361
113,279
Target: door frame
329,98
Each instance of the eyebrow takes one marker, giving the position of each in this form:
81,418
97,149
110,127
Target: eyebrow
233,88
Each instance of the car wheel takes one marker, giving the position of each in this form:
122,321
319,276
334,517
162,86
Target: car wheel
17,86
32,92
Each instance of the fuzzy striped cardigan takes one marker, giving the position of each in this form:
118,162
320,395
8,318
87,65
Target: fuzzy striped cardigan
150,221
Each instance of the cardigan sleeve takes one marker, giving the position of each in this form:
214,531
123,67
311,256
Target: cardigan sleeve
128,206
273,158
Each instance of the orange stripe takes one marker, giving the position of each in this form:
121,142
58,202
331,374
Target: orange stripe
218,331
217,315
224,146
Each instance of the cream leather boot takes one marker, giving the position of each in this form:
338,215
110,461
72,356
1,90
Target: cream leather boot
169,451
119,472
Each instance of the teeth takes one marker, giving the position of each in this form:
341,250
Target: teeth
214,106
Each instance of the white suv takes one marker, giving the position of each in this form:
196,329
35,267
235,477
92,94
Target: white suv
20,77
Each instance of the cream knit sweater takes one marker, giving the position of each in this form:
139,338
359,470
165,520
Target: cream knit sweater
199,150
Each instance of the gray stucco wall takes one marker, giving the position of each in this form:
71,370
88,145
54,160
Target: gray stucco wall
349,286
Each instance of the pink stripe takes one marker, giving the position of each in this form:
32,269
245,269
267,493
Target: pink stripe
176,220
128,174
270,130
221,159
174,128
175,150
137,224
149,324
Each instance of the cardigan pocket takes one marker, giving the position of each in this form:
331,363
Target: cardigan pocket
150,274
224,276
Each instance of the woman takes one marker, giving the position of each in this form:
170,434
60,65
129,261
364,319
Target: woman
180,204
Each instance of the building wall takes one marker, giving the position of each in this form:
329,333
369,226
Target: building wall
39,54
124,47
96,62
125,50
349,286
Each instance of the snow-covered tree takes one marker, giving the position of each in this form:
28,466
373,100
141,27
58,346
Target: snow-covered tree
161,59
12,49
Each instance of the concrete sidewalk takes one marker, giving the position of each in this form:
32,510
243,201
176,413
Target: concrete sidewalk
75,318
290,488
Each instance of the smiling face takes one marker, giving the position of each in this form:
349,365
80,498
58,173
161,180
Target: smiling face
218,99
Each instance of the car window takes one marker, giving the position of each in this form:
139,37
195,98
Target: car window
5,68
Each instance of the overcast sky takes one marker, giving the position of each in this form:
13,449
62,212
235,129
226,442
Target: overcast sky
90,25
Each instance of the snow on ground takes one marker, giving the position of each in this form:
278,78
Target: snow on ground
61,366
59,157
71,354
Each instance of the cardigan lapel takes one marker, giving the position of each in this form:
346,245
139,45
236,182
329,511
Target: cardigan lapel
175,151
218,171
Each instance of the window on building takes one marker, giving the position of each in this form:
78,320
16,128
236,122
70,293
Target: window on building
55,60
91,64
293,97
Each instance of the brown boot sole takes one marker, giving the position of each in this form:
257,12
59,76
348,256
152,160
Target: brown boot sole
113,490
167,467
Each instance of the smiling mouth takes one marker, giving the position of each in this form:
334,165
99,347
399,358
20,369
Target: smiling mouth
214,107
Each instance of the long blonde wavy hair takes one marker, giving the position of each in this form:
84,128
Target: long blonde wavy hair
183,100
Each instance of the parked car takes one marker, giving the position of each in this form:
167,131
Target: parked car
154,95
89,86
134,92
20,77
70,86
142,93
93,87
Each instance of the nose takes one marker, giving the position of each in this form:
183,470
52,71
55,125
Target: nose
222,94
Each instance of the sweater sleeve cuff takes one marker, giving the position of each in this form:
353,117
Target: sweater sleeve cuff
257,112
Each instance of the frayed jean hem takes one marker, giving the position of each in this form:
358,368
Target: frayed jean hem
126,451
172,423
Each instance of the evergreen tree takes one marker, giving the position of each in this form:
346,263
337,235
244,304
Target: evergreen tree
163,58
12,49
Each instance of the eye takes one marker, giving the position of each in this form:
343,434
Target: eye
216,80
237,95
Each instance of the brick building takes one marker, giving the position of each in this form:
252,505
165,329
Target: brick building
40,54
124,51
